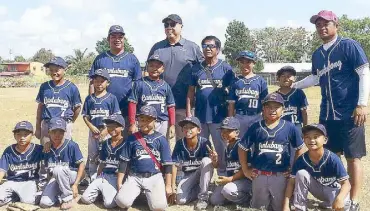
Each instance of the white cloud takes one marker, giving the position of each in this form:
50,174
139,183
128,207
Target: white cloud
3,10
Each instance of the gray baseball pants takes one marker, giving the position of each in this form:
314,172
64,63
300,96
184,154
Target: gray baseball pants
153,187
212,129
161,127
106,184
305,183
195,185
58,186
237,192
26,191
93,154
268,191
45,131
246,121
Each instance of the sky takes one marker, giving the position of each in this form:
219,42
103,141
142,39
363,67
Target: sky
64,25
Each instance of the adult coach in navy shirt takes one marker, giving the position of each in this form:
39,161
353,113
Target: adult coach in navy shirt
123,67
341,69
179,54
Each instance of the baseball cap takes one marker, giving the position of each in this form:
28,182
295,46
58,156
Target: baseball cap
315,126
101,72
148,110
115,118
156,57
59,61
230,123
57,123
116,29
248,55
273,97
286,69
23,125
174,17
193,120
326,15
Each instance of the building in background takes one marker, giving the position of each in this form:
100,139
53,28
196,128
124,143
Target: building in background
23,68
270,69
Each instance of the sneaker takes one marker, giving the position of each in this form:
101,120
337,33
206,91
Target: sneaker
355,206
69,204
201,205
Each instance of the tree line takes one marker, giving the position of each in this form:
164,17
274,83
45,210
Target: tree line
272,45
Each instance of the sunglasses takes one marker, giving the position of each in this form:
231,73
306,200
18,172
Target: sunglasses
204,46
172,24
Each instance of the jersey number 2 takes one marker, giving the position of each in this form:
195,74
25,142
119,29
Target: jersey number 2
278,159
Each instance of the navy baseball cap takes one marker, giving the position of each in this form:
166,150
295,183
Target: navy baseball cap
101,72
173,17
310,127
273,97
286,69
156,57
248,55
23,125
193,120
148,110
59,61
115,118
326,15
230,123
57,123
116,29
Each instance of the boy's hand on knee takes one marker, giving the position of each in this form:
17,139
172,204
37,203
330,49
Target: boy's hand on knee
253,174
171,132
338,204
224,180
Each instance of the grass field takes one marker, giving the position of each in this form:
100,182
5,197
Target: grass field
18,104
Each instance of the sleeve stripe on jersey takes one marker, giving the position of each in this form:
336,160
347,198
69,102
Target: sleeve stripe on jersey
124,158
171,105
300,147
37,101
133,101
292,176
242,147
230,101
362,66
343,178
167,163
79,161
304,108
77,105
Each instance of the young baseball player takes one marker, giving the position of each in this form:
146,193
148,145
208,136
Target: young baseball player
269,141
247,92
56,98
209,83
154,91
106,182
20,163
98,106
64,163
194,162
146,154
320,172
234,187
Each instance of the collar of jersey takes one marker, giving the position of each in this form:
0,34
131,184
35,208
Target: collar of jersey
219,62
316,168
158,83
248,80
288,95
230,149
193,152
23,156
180,42
57,89
339,38
113,150
271,133
100,99
116,58
58,151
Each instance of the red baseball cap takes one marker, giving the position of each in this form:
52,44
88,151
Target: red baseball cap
326,15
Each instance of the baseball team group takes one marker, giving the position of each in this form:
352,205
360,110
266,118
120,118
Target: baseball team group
265,153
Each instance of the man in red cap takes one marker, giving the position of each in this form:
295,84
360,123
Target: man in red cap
341,68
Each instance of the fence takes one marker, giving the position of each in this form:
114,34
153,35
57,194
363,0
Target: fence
271,78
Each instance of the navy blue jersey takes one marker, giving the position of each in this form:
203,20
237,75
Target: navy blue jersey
122,69
271,147
140,160
58,101
339,81
99,108
209,100
68,154
328,172
190,160
294,102
21,167
110,156
247,93
154,93
232,159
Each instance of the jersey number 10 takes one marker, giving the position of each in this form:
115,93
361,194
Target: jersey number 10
253,103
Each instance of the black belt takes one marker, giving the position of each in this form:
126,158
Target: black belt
248,113
143,175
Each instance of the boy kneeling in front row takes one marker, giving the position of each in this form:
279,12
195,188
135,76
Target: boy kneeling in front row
319,172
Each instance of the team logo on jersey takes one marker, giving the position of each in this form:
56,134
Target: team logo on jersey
290,110
118,73
143,154
23,167
327,181
56,103
206,83
95,113
270,147
153,100
331,66
246,93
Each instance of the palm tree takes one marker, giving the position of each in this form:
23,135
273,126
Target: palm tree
80,63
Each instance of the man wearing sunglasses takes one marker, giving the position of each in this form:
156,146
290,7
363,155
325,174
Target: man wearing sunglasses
179,55
209,82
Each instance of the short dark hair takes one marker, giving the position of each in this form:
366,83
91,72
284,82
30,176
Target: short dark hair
214,38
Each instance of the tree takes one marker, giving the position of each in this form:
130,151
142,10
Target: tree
238,38
80,63
19,59
103,45
282,44
43,56
258,67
